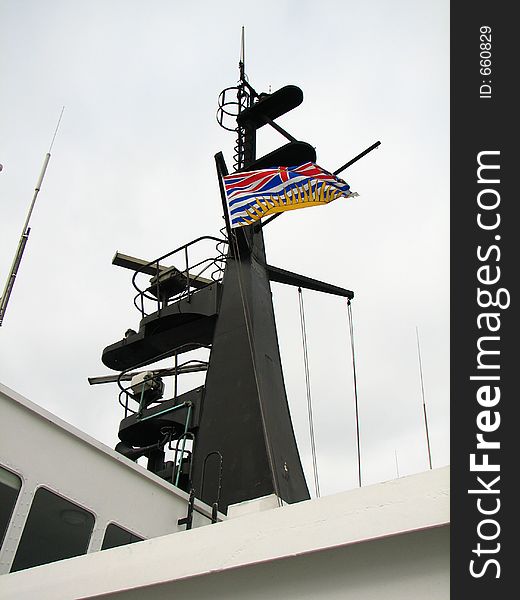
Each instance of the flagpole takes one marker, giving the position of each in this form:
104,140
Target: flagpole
221,172
356,158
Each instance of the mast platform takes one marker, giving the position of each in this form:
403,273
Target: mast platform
180,327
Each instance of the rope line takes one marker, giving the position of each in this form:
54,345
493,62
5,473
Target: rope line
351,331
308,388
236,251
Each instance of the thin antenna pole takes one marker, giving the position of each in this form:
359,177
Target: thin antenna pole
242,63
396,464
4,300
56,130
423,398
241,97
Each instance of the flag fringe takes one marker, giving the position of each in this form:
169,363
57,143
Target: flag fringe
298,197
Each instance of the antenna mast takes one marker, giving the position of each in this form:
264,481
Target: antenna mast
245,96
232,102
4,300
242,62
423,399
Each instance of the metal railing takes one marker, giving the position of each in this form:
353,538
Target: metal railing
195,276
190,366
167,433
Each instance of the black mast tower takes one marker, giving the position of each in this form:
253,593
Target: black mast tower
243,441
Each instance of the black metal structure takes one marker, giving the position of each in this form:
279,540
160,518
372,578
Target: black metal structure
243,444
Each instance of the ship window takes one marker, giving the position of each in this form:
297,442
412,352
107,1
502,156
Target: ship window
117,536
10,485
55,529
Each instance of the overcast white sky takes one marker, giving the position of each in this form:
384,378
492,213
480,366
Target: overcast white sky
132,170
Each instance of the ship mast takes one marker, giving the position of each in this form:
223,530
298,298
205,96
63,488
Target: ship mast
238,424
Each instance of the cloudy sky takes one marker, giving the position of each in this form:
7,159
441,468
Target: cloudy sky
132,170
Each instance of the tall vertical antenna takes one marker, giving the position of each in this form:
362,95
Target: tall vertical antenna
242,61
242,101
423,399
4,300
234,100
245,94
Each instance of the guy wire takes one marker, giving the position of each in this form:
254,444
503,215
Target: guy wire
308,386
351,330
245,306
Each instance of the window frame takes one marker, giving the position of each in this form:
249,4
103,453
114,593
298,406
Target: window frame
32,494
108,523
21,492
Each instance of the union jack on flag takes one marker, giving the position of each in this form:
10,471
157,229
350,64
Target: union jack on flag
252,195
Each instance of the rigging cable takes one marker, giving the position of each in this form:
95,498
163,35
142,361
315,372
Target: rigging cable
351,331
308,387
234,245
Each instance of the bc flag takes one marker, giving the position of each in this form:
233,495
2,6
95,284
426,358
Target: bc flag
252,195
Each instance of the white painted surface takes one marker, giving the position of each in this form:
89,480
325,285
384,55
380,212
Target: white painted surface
412,566
43,450
384,541
253,506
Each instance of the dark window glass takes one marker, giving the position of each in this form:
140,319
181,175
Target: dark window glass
55,529
10,485
117,536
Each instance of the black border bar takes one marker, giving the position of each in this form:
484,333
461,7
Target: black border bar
485,355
